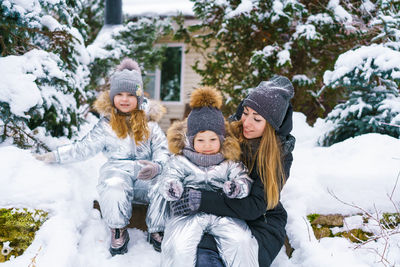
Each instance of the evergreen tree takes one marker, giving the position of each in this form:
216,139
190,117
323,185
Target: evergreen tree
44,49
48,39
370,76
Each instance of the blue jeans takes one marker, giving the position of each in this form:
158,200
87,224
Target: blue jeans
208,258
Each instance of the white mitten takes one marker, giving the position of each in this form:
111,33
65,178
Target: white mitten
149,170
231,189
173,190
48,157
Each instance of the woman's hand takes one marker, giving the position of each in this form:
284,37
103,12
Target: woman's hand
48,157
149,170
189,203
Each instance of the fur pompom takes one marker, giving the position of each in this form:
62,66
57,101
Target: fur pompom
156,110
128,64
206,97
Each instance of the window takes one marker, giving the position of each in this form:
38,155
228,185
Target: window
165,84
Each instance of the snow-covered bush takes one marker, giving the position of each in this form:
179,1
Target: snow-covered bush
44,69
50,69
370,78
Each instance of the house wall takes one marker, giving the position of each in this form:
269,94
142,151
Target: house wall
190,81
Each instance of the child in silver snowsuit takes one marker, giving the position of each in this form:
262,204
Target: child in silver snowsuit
135,147
205,156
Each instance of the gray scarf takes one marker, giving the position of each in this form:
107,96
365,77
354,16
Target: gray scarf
202,159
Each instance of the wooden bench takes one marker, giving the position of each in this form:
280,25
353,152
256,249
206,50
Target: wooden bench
138,218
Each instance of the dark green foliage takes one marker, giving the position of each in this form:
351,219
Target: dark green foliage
92,13
350,121
170,76
135,40
18,227
59,72
371,85
312,217
250,47
66,77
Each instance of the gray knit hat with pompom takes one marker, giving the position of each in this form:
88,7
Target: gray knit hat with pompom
206,114
127,78
271,99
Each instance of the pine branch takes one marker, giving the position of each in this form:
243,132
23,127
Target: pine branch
19,129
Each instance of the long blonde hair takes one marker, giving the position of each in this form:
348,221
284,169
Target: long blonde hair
269,162
136,128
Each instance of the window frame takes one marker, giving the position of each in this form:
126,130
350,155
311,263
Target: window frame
157,80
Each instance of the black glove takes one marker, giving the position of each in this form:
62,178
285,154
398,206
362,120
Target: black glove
189,203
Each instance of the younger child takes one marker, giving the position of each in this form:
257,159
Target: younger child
205,157
136,151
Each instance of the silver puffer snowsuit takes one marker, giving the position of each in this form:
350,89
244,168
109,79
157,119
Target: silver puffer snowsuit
182,234
118,187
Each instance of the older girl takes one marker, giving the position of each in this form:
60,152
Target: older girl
135,147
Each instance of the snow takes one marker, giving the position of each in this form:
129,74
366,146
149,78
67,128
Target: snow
50,22
17,86
320,19
360,170
340,13
243,8
306,31
382,57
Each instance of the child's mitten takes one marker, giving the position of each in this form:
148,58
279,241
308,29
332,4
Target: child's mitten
231,189
174,190
48,157
189,203
149,170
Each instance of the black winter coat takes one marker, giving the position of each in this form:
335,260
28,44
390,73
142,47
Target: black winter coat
267,226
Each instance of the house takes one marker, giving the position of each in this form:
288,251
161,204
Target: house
173,83
175,80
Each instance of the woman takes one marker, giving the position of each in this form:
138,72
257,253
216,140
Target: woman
263,130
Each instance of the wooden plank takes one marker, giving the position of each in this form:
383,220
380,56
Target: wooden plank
138,218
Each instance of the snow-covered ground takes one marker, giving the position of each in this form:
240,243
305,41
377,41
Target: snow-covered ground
361,171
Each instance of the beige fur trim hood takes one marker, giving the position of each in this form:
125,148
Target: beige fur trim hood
176,136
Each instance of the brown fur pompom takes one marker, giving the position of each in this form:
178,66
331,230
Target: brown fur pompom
206,97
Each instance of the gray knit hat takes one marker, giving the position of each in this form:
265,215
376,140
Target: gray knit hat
206,114
127,78
271,99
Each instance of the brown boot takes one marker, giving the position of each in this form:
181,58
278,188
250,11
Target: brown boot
119,241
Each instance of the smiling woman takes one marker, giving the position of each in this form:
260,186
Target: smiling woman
253,123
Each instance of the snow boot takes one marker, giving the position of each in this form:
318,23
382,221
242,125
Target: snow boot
152,239
119,241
